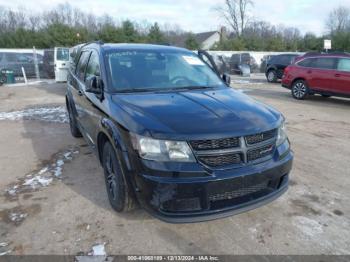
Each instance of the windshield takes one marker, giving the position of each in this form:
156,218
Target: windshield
140,70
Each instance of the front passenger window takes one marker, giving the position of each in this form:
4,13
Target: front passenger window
80,70
93,67
344,65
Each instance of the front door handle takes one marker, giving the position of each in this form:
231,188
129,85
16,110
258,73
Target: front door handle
309,71
337,75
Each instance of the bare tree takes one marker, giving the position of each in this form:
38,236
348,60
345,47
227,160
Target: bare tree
235,12
338,20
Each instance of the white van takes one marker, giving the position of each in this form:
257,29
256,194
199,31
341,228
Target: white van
61,63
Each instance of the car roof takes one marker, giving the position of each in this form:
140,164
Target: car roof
329,55
135,46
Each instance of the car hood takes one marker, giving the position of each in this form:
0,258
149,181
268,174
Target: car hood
195,114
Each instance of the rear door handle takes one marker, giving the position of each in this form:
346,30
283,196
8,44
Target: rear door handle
309,71
337,75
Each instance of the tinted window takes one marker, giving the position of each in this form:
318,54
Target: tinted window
157,70
309,62
80,70
93,67
325,63
344,65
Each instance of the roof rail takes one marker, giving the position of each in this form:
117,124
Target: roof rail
99,42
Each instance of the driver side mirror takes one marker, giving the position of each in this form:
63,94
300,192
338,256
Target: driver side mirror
93,85
227,79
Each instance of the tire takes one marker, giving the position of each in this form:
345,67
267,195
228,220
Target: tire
326,96
73,123
300,90
271,76
117,189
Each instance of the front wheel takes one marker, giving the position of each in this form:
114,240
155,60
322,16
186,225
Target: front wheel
300,90
117,189
272,76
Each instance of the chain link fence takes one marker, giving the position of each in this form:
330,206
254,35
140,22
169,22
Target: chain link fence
28,64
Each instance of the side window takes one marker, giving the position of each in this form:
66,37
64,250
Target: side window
308,62
325,63
93,67
83,60
1,56
344,65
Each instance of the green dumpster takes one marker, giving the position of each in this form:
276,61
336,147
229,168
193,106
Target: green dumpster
8,76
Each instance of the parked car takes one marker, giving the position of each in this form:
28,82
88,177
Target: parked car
276,65
15,61
172,136
325,74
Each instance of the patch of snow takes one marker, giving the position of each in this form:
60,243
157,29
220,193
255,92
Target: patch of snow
58,171
3,244
56,114
98,250
308,226
5,253
241,81
38,180
44,176
17,217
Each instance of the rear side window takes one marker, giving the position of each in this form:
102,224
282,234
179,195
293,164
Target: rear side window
344,65
325,63
309,62
83,60
1,56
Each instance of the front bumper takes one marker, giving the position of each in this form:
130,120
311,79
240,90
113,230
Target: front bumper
222,193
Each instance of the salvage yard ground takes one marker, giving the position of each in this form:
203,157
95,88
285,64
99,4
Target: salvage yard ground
53,198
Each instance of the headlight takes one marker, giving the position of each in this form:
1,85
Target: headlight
282,135
162,150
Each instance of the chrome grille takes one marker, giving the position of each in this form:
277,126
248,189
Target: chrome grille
215,144
234,151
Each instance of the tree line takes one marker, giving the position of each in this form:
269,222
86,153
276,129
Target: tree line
65,25
250,34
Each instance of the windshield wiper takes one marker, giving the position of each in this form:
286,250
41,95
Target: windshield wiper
193,87
134,90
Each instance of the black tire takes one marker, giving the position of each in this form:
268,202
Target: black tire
117,189
326,96
271,76
73,123
300,90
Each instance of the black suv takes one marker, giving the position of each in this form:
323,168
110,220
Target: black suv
276,65
172,136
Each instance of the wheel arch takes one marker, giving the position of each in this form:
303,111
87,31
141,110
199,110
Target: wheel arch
109,132
298,79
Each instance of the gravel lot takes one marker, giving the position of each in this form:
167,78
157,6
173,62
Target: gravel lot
53,198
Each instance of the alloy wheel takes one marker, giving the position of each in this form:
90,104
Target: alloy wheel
111,177
299,90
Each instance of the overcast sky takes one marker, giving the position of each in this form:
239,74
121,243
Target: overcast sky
198,15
